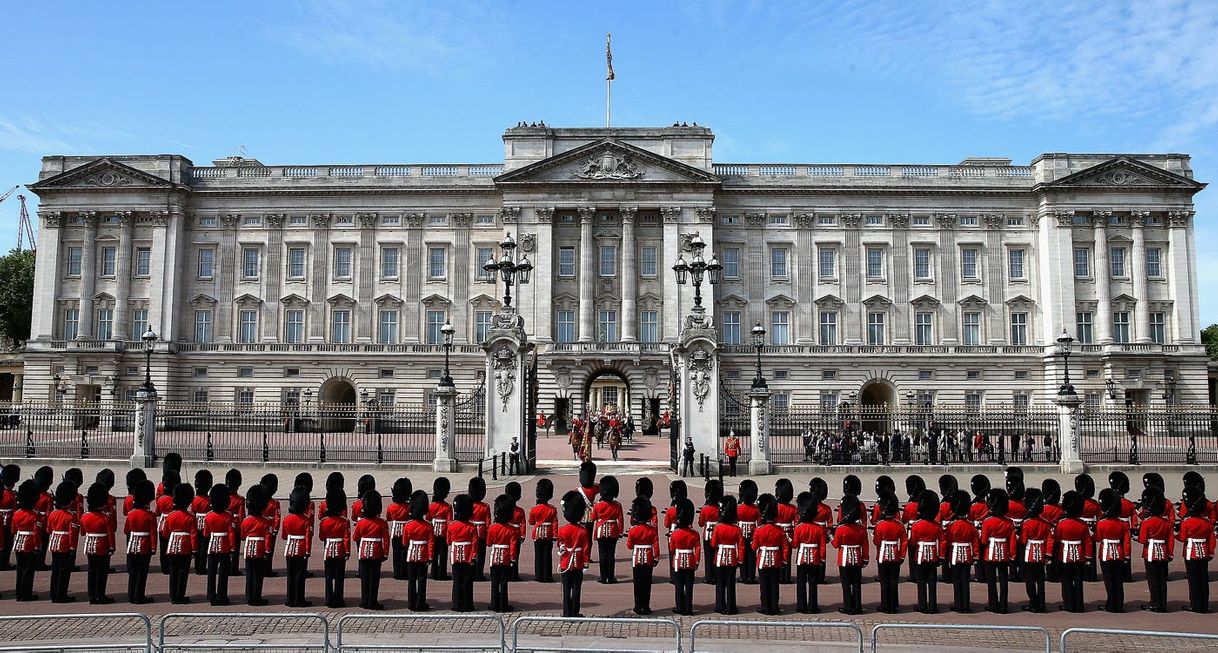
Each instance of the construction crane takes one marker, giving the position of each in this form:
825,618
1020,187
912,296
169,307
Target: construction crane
10,192
24,228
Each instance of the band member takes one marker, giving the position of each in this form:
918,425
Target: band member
199,508
462,544
850,540
134,476
773,549
519,521
788,514
1118,481
997,550
544,519
1085,486
1196,535
589,490
502,547
1155,535
9,476
140,527
275,512
1072,538
685,549
808,550
164,506
708,517
914,486
334,533
440,513
296,531
217,539
397,513
95,534
255,544
677,491
1112,548
335,482
727,545
573,543
607,527
371,536
891,543
1036,542
418,538
926,541
1016,513
236,510
747,517
819,490
44,478
63,530
961,544
1051,494
644,488
181,533
643,542
883,483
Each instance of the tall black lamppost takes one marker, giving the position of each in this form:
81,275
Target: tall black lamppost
149,338
1064,341
759,342
447,331
511,270
696,268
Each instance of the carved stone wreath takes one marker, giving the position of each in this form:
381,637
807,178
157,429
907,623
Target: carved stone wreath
528,242
701,365
505,374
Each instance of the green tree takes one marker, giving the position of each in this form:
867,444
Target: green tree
16,296
1209,337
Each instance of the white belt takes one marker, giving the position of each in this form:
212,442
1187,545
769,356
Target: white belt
725,555
415,550
1195,549
1110,550
175,543
499,554
571,553
962,553
293,549
1072,550
682,559
91,543
852,554
1034,551
56,539
135,541
806,554
642,555
215,542
887,552
333,547
395,529
710,529
997,549
1156,550
928,552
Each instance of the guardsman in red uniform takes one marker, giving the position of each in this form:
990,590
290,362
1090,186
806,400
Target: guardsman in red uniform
1196,536
181,535
544,519
199,508
685,549
891,543
255,544
852,486
305,480
218,540
1072,538
296,531
164,506
502,547
998,546
236,511
335,482
140,527
573,543
708,517
850,540
275,511
589,490
824,518
914,486
371,536
948,485
481,520
643,542
1194,479
773,549
172,462
747,517
808,550
788,515
26,531
366,483
1016,513
1155,480
1085,486
440,514
1155,535
1119,482
644,488
462,544
883,483
520,522
1036,542
607,527
727,545
62,531
961,544
926,542
1112,548
677,490
95,534
134,475
397,513
1051,494
334,533
44,477
106,478
9,476
731,449
417,540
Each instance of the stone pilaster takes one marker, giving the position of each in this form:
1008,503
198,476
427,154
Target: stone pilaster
995,277
1182,281
122,293
543,274
629,276
900,282
1137,272
272,310
223,324
1101,270
143,445
462,276
1067,428
413,267
949,276
320,273
853,317
671,215
88,276
47,276
806,331
364,326
587,275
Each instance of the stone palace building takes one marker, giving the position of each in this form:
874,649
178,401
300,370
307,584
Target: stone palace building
877,283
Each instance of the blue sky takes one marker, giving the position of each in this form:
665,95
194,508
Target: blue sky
353,82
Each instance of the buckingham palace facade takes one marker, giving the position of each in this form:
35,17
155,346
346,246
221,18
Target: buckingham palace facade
884,283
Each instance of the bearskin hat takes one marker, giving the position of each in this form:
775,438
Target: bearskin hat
767,506
643,487
336,502
948,485
232,478
1194,499
677,490
65,494
418,505
884,483
169,480
366,484
609,488
298,501
440,488
1154,479
1194,479
271,483
134,476
544,491
783,490
1153,501
477,488
1072,504
640,510
851,509
143,494
713,492
1051,491
203,482
1110,502
998,501
9,475
218,498
256,499
1033,501
172,462
960,504
888,503
748,492
727,510
335,481
98,497
27,494
183,494
685,513
514,490
1084,485
573,506
819,488
807,506
105,477
505,506
304,480
914,487
928,505
1119,481
587,473
1011,472
45,477
371,503
851,485
402,489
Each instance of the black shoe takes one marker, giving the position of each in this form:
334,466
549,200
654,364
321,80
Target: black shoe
272,574
221,602
1187,608
258,602
143,600
105,600
64,599
182,601
376,606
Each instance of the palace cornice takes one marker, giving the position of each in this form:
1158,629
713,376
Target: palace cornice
285,192
873,190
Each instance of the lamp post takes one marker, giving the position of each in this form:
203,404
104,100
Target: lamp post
759,342
1110,387
697,268
511,270
1064,341
149,337
447,331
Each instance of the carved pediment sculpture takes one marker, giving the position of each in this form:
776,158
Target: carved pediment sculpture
609,165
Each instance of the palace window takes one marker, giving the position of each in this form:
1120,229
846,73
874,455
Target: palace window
924,328
731,328
1117,256
1015,221
731,263
248,332
342,262
143,261
203,325
437,262
781,401
779,219
296,262
200,395
972,401
1082,331
564,325
481,256
968,221
828,328
828,263
249,263
108,261
1154,267
482,325
293,328
875,328
778,263
649,326
926,375
245,396
608,260
340,327
921,263
875,220
968,263
648,261
387,330
921,221
607,325
1015,269
875,263
1120,326
1019,328
301,220
1158,328
972,328
389,262
828,401
566,262
780,327
435,322
826,220
139,323
105,324
74,258
828,375
1082,263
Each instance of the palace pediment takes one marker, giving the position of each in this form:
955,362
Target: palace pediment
607,161
1122,173
104,174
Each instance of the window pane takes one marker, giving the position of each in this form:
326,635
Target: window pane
566,261
1083,327
780,322
924,328
731,328
296,263
341,332
202,326
74,258
968,263
828,328
972,328
482,325
1015,257
648,263
342,262
389,262
1019,328
1120,326
481,256
1082,262
249,262
1158,328
649,330
105,323
435,322
1153,264
778,262
922,263
608,260
565,324
388,331
875,328
875,263
143,262
294,327
248,332
71,323
607,322
731,263
828,262
139,323
1117,256
108,261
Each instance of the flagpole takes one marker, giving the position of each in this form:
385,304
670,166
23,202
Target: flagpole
608,80
608,101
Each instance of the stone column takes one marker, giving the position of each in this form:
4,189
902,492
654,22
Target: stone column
413,267
1054,260
630,276
1067,420
320,273
47,277
587,275
88,276
273,264
852,330
446,429
18,387
167,257
543,274
143,451
1181,277
462,278
807,329
1137,272
995,279
229,261
900,282
949,317
1101,270
507,354
122,326
759,423
672,292
365,283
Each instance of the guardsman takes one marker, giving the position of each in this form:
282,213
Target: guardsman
502,548
998,546
1051,494
397,513
644,488
891,543
544,519
883,483
417,540
199,508
853,487
140,527
481,520
255,544
607,527
297,535
747,516
134,476
589,490
824,517
1155,480
63,529
1196,536
334,533
731,450
788,514
1085,486
1072,537
1155,535
1036,542
684,549
961,543
727,545
44,477
1119,482
850,540
365,484
181,534
1016,513
462,543
275,511
643,542
926,542
708,517
440,514
335,482
808,550
236,510
371,536
772,548
95,533
677,490
519,521
218,539
914,487
9,476
1112,548
573,543
27,536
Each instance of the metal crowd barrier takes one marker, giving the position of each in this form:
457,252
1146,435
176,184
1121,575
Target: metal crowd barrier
875,632
627,629
415,627
857,632
247,630
1131,633
73,632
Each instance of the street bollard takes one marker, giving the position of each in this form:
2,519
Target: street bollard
481,473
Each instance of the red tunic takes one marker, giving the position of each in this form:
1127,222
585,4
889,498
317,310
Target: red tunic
589,493
1091,512
1129,513
275,512
1036,538
95,526
1015,511
481,519
297,531
140,529
926,541
257,535
684,549
670,519
747,517
179,530
909,514
772,547
572,547
199,507
727,543
1197,536
708,517
998,539
501,545
809,543
128,505
397,514
961,542
323,509
607,520
977,512
519,522
1068,535
890,540
62,531
850,540
218,533
8,504
644,545
824,516
863,520
440,513
461,538
419,540
544,519
27,531
1112,540
236,510
371,538
1051,514
1156,538
334,533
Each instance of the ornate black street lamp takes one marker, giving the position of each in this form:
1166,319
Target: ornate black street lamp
697,268
1064,341
511,270
759,342
149,337
447,331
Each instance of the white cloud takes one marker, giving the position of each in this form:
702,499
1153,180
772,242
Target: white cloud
25,134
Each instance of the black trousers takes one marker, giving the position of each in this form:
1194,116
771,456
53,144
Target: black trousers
1156,579
543,561
687,467
137,577
234,560
179,574
398,552
889,574
416,585
217,578
161,556
1198,584
962,600
369,582
480,561
852,589
1114,585
439,559
1053,571
642,588
61,574
296,568
99,573
201,557
748,569
1090,573
607,552
926,577
6,553
1034,581
708,562
731,465
516,562
255,573
997,577
1072,585
807,592
1015,567
500,576
572,587
336,577
463,587
725,590
683,582
27,565
769,580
